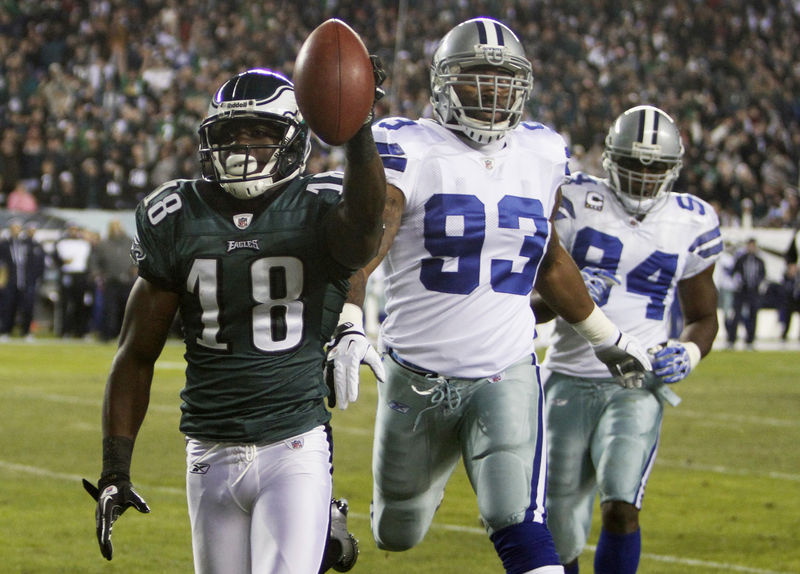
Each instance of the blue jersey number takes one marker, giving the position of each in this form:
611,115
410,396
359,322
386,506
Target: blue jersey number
651,278
455,229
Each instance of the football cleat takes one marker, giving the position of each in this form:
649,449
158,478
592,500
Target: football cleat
341,551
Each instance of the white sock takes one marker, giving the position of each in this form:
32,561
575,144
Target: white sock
547,570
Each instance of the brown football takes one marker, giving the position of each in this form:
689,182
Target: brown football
333,82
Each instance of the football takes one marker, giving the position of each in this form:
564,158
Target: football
333,82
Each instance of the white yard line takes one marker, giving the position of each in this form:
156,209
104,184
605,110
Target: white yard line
45,473
736,419
73,400
727,470
590,548
37,471
352,430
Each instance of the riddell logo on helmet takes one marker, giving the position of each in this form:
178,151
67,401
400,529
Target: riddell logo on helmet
237,104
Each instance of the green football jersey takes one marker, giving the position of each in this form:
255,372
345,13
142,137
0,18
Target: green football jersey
260,295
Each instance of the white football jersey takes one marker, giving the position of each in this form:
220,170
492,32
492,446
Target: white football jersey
476,224
675,241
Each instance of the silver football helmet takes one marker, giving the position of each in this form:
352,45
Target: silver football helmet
500,100
643,157
259,101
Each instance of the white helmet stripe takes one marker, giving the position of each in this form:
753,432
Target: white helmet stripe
648,124
490,35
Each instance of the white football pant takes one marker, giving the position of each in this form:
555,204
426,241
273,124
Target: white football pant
259,508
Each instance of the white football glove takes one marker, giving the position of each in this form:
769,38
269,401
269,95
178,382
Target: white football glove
625,358
599,282
674,360
346,351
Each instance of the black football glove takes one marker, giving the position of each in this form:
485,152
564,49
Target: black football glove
114,495
379,73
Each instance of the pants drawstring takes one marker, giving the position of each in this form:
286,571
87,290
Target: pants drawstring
443,394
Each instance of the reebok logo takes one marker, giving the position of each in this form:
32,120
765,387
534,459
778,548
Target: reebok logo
399,407
199,468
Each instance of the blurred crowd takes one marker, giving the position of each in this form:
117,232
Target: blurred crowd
74,285
74,282
100,99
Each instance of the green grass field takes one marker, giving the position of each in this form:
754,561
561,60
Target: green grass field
724,496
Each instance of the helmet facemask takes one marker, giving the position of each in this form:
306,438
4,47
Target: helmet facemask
497,107
247,170
641,186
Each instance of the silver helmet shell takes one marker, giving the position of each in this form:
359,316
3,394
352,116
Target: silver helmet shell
256,95
480,42
643,157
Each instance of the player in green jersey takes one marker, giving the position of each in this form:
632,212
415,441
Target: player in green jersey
256,257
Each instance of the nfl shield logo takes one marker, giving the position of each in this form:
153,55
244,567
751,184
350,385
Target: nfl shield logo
242,220
488,163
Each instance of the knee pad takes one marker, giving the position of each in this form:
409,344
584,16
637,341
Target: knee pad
506,493
396,531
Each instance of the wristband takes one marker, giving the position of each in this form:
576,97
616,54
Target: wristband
351,313
693,351
596,328
117,454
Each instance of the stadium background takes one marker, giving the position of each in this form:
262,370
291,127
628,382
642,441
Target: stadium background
99,103
100,100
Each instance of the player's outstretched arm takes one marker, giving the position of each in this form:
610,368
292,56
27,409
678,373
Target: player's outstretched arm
148,317
354,233
698,299
114,494
598,283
